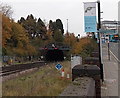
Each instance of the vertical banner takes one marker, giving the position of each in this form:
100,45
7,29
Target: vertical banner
90,17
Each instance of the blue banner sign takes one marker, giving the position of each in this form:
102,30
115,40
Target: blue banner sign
90,17
90,24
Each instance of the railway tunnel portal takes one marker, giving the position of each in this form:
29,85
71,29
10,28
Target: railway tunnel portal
55,51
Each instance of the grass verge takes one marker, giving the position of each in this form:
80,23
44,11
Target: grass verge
45,82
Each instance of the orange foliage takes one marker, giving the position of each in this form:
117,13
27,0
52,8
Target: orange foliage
70,39
78,46
31,50
0,29
24,51
19,43
6,29
49,33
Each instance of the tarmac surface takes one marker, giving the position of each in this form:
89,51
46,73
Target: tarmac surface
110,67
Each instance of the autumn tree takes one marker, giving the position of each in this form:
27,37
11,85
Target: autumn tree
34,27
60,25
54,26
50,26
5,13
58,37
84,46
70,39
15,39
22,21
78,47
6,32
41,28
0,34
29,24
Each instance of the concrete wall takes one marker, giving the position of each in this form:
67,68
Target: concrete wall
76,60
83,87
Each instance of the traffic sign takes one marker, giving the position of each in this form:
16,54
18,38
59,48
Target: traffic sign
58,66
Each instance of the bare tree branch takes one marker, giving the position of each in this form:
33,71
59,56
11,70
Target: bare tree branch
6,10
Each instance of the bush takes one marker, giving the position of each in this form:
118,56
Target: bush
88,48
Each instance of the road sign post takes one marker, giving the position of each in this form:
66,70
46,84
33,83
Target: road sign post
99,27
108,51
91,24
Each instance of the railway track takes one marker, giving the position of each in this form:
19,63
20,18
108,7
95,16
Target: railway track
8,70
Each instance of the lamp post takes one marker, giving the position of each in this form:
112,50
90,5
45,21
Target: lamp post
67,25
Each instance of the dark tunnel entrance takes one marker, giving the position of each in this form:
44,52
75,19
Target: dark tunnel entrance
54,55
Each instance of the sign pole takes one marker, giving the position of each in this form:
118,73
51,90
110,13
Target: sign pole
99,27
108,51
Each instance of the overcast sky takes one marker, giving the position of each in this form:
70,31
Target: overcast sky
73,10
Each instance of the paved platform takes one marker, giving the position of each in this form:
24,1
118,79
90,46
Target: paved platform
110,84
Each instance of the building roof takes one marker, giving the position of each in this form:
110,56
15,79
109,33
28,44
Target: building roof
110,22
